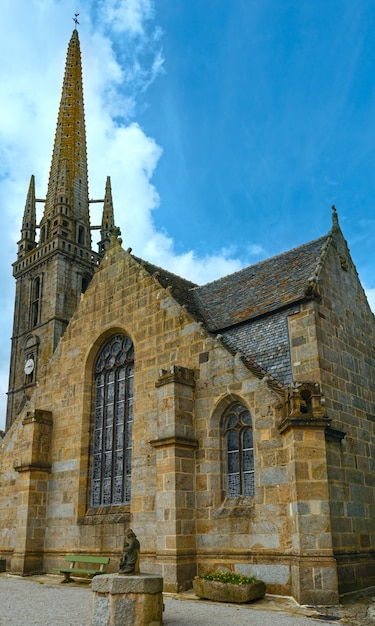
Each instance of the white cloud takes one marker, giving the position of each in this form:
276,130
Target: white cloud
370,293
255,249
122,55
121,50
135,43
127,15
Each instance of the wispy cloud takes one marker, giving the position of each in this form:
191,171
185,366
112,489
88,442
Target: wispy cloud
134,46
122,50
122,55
254,249
127,15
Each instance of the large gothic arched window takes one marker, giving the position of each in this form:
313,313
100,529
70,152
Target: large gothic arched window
113,375
238,434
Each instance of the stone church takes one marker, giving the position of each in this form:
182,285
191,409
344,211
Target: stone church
229,425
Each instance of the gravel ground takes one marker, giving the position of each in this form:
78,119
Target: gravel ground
43,601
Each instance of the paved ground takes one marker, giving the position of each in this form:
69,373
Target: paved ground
43,601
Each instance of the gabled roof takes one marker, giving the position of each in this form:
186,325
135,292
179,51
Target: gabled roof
254,291
182,289
249,308
259,289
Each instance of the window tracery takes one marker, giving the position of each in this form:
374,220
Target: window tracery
113,376
238,434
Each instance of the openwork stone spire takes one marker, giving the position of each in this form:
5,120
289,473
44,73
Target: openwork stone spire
67,192
108,219
28,231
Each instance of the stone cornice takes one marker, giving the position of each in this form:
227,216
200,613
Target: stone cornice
38,416
332,434
304,422
176,374
178,442
33,467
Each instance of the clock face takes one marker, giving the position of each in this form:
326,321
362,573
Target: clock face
29,366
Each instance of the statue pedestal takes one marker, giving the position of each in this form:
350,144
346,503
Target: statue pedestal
127,600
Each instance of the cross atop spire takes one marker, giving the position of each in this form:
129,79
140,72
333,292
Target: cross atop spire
75,19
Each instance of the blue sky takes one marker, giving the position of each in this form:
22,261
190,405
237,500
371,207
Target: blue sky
229,128
270,114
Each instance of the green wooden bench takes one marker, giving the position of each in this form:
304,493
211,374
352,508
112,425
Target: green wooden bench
81,571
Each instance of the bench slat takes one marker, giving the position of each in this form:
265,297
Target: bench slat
76,570
87,558
82,558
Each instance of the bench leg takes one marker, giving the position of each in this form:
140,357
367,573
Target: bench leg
67,578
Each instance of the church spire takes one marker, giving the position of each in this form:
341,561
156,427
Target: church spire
52,273
67,193
28,231
108,218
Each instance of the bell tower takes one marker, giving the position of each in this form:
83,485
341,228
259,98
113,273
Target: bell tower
54,269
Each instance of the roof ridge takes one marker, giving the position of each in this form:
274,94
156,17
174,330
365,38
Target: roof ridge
314,278
270,258
162,269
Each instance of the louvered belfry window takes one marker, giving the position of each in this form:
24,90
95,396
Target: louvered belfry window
239,451
113,375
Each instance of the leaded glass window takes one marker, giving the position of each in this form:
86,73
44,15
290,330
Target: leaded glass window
239,451
113,375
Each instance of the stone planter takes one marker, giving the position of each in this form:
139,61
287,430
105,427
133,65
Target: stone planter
227,592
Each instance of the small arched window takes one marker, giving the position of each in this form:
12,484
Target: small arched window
306,401
238,435
84,283
35,299
81,235
113,376
42,234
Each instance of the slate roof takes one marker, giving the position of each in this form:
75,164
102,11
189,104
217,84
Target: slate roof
259,289
265,340
254,291
249,309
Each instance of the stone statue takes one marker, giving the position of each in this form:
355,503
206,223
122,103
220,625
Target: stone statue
129,562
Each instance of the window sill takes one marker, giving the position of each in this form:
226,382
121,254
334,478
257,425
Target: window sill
242,506
106,515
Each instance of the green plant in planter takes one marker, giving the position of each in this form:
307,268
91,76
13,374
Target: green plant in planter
233,578
228,587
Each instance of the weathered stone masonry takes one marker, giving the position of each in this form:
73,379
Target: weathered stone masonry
290,340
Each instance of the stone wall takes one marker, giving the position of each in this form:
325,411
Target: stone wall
346,344
50,264
9,498
332,343
183,381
